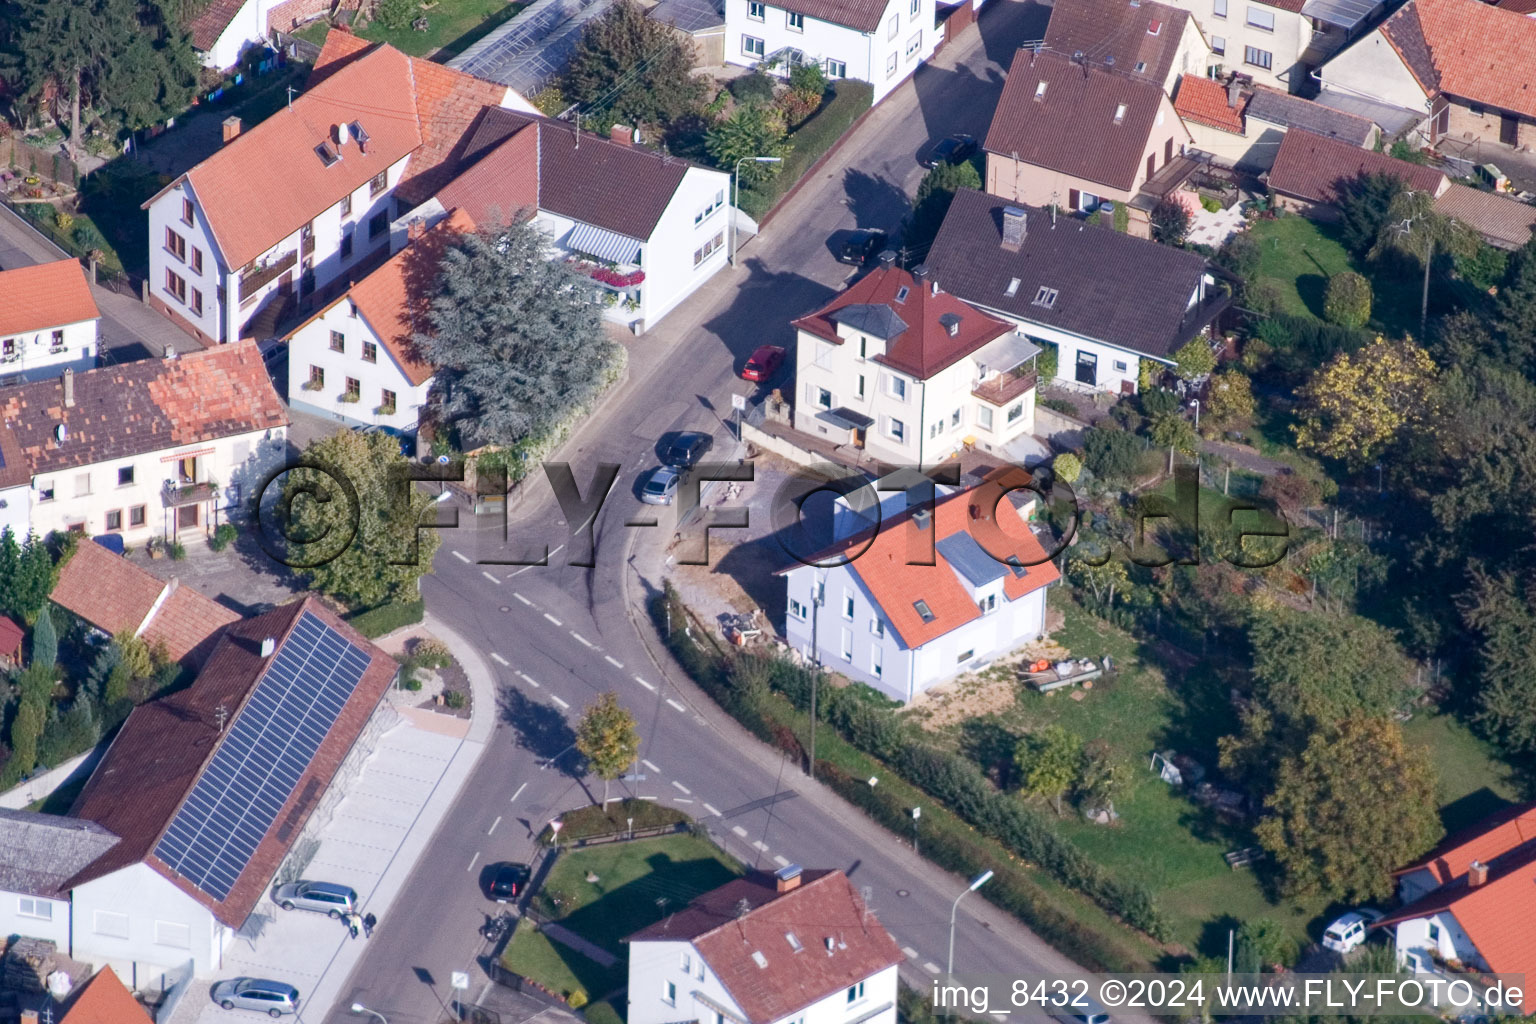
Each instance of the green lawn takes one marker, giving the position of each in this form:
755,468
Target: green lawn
633,881
1299,256
452,27
557,967
1474,783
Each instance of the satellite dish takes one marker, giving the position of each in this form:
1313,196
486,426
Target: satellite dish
1078,56
1109,61
61,433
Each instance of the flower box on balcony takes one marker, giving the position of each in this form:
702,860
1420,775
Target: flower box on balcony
313,385
609,275
349,396
384,410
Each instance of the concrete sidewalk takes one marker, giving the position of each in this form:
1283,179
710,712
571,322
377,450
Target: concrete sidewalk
379,832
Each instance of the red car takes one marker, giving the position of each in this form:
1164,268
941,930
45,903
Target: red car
764,362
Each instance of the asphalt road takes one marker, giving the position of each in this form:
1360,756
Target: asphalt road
557,635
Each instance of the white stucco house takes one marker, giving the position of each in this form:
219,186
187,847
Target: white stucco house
1468,905
1278,42
943,587
1107,301
912,374
287,213
881,42
649,229
153,448
47,321
794,947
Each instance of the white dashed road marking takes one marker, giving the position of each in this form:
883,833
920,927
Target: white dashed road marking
759,844
675,704
551,618
615,662
498,659
492,830
523,599
645,684
461,558
781,861
529,679
490,577
739,831
472,861
563,705
681,787
911,953
930,967
682,800
648,764
520,793
712,809
581,639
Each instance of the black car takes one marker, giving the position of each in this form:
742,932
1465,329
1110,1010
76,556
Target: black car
953,150
508,882
861,245
687,448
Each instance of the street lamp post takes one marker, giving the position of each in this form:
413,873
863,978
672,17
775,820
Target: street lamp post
360,1008
917,812
1194,404
816,601
976,883
736,192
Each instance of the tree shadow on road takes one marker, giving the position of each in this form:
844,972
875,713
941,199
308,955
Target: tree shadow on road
542,731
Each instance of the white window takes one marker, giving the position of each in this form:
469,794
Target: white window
1045,297
708,209
1219,8
954,419
820,397
1258,58
897,430
933,429
988,604
861,386
173,934
916,6
847,643
26,906
669,993
914,44
796,609
890,65
82,484
1219,45
893,27
709,248
45,490
755,10
752,46
1258,17
796,21
111,924
1119,366
877,625
698,969
984,417
1087,202
848,605
963,657
687,964
874,661
837,69
897,386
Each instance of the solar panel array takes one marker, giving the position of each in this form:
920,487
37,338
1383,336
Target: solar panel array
262,757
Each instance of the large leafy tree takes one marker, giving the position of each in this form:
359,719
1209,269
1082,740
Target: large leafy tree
1364,204
1360,403
632,67
750,131
518,340
352,525
1317,669
26,576
607,737
1351,807
1050,762
934,194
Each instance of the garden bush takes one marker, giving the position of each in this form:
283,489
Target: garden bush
454,699
1111,454
755,89
1347,301
429,652
223,536
819,132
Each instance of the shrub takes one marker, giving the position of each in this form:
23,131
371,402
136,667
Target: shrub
1111,454
1347,301
409,682
223,536
1048,360
1170,222
1195,359
1240,254
755,90
818,134
430,652
387,618
1210,204
64,220
396,14
177,550
1363,203
454,699
808,79
1157,402
1068,467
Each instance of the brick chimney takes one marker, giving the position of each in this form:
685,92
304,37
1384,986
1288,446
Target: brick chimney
620,133
1234,92
1477,874
231,128
787,878
69,389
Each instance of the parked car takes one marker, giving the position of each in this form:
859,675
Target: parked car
661,488
953,150
687,448
1090,1013
508,882
763,363
1349,930
274,998
321,897
860,247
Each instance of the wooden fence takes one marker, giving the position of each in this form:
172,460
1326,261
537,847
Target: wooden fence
26,158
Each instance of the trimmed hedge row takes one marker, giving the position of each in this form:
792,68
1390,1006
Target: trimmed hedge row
818,134
386,618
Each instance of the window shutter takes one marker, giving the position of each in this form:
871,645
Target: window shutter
1074,198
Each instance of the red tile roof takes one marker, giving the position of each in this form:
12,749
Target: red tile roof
1482,53
43,296
158,756
1309,167
863,15
211,22
143,406
10,638
113,594
1071,128
1204,101
823,906
922,346
1497,914
104,999
394,298
503,183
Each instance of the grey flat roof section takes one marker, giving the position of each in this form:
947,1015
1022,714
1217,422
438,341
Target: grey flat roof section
1294,112
531,49
40,852
1006,352
876,319
966,557
689,15
1393,120
1346,14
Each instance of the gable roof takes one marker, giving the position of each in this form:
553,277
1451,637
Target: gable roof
823,906
1110,286
211,21
503,183
1071,128
862,15
104,999
1148,33
46,295
40,852
1501,220
164,747
11,636
1475,51
1496,915
914,326
143,406
1282,108
1310,167
394,298
1206,101
585,177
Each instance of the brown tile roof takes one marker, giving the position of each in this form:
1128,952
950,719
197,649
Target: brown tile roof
824,906
1205,101
144,406
1110,286
15,470
1497,914
1405,34
1071,128
163,748
1501,220
1282,108
1526,7
1310,167
211,22
502,183
1481,53
1294,6
11,636
863,15
45,295
394,298
189,623
599,182
915,328
1100,29
104,999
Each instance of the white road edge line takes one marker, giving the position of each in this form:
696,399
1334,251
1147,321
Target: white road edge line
682,787
520,793
551,618
760,845
781,860
472,862
739,831
645,684
712,809
911,953
648,764
523,599
563,705
930,967
581,639
492,829
461,558
615,662
498,659
682,800
676,705
488,575
650,798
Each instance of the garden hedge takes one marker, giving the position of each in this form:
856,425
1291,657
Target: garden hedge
818,134
386,618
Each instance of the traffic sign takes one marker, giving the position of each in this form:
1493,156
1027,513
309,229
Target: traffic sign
739,402
460,979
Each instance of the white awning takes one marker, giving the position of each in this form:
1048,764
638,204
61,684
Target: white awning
1005,353
605,245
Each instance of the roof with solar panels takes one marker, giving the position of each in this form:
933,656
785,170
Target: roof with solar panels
211,785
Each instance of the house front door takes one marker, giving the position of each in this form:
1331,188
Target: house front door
1088,369
1509,129
186,517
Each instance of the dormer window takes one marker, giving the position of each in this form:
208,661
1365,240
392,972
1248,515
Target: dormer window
327,155
951,324
1045,297
1119,113
1141,66
902,293
1040,91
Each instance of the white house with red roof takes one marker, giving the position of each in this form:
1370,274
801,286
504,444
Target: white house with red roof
305,199
47,321
794,947
942,587
911,373
1469,905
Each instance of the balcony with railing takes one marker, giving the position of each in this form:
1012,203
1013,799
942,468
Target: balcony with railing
174,495
257,277
1002,388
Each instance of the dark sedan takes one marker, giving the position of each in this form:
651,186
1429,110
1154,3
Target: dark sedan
953,150
687,448
860,246
508,882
